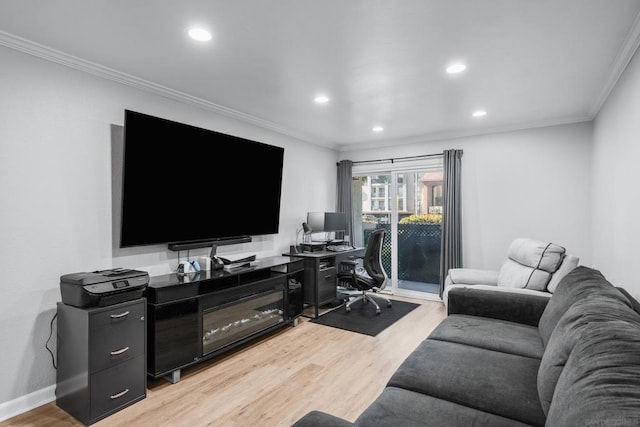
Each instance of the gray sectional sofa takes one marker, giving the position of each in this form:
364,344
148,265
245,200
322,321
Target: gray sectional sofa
502,359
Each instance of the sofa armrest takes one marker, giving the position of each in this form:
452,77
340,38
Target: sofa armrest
321,419
473,276
514,307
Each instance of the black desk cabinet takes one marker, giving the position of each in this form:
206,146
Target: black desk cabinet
320,276
101,359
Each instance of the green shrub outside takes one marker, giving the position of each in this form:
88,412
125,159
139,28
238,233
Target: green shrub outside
422,219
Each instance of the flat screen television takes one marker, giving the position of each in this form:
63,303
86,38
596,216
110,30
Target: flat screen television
185,184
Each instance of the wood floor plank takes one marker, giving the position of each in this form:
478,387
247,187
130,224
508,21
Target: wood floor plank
273,381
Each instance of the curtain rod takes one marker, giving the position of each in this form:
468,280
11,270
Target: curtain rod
398,158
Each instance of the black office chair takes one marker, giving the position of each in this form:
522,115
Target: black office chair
369,279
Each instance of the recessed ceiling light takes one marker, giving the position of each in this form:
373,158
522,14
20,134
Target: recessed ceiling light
321,99
479,113
377,129
456,68
200,34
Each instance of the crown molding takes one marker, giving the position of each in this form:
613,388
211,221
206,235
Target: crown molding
630,45
451,135
628,49
44,52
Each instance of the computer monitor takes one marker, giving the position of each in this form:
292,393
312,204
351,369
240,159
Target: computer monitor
335,221
315,221
327,222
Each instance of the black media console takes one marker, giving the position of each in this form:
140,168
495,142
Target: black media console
197,316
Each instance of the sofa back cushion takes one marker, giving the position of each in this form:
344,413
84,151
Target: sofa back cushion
578,284
530,264
577,321
600,383
569,262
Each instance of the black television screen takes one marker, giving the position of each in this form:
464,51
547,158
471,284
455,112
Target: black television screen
185,184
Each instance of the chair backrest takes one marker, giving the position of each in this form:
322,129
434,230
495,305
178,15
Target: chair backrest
372,261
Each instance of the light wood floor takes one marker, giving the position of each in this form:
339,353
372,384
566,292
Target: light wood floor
274,381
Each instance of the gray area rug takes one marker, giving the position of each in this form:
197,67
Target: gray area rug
363,318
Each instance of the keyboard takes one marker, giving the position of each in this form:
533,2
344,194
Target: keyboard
338,248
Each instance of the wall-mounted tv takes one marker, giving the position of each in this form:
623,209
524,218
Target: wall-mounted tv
185,184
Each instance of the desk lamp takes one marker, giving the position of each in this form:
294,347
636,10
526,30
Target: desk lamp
306,230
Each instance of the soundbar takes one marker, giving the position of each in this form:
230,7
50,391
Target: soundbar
206,244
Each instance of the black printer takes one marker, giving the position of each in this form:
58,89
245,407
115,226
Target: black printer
103,288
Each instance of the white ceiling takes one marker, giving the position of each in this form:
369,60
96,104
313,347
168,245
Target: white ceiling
382,62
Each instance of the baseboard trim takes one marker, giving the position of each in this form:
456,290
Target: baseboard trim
28,402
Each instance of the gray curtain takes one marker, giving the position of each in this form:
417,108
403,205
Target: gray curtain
344,197
451,247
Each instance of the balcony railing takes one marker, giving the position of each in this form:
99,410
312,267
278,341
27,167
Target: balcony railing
418,251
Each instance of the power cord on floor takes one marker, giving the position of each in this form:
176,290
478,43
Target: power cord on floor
46,345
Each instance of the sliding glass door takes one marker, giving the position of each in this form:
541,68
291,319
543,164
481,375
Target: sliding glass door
407,202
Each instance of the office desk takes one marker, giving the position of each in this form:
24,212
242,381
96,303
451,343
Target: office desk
320,276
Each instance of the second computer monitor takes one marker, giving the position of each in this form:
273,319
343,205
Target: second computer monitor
335,221
326,222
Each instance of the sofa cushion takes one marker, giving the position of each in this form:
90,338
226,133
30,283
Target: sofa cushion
530,264
543,256
473,276
405,408
525,308
490,381
569,262
492,334
600,384
321,419
577,284
569,331
495,288
514,275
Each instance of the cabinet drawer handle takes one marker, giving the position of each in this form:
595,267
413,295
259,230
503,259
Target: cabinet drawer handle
117,352
117,316
122,393
329,276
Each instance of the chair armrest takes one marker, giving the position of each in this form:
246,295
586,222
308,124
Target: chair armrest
513,307
473,276
321,419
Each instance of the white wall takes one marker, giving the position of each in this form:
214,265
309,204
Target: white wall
616,176
56,213
532,183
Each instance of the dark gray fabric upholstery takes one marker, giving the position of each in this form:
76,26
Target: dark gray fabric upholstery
525,309
477,368
321,419
579,283
491,381
600,384
569,331
634,303
492,334
403,408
